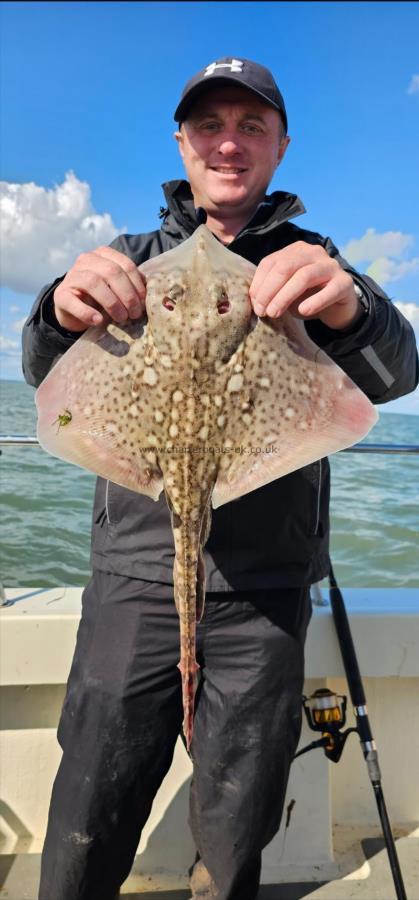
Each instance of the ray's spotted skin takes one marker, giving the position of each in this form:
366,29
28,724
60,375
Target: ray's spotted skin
200,399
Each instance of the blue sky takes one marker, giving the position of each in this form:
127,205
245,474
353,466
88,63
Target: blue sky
89,91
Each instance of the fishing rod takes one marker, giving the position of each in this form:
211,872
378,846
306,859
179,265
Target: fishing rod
326,712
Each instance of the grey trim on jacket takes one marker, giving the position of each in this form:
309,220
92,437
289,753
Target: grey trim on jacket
131,533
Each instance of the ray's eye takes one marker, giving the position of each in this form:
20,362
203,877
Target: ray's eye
223,303
168,303
174,293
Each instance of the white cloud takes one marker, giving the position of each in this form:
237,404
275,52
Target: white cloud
410,402
414,85
384,252
411,312
43,231
383,270
14,309
18,324
7,344
372,245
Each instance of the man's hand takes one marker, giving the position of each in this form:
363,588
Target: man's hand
305,280
100,284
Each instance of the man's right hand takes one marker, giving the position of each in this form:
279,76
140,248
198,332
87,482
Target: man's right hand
101,284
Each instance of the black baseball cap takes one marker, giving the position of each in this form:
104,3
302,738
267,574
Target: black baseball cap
229,70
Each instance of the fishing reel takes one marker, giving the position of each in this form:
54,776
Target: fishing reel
325,711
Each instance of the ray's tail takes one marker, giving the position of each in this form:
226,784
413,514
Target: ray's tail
186,602
189,583
188,667
186,598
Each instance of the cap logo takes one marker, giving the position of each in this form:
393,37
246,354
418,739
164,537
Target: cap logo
236,65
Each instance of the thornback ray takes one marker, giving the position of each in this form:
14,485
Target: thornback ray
200,399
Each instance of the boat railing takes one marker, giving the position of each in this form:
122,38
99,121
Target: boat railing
25,440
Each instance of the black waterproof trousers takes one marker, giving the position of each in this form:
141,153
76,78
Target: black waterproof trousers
123,713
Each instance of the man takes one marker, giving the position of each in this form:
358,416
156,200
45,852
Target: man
123,712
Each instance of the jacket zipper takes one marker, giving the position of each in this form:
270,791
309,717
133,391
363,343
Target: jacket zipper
316,528
107,502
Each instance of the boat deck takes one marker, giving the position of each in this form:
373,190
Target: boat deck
312,858
361,858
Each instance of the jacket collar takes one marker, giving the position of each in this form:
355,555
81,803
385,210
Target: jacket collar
180,216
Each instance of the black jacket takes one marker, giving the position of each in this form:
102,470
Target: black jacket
278,535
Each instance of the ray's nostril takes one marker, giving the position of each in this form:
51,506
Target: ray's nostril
168,303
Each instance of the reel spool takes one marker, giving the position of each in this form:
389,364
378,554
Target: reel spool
325,711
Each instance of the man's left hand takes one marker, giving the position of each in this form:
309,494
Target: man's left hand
305,280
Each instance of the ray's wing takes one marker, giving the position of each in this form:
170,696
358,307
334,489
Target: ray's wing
94,409
291,405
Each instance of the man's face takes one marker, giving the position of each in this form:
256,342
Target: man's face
231,144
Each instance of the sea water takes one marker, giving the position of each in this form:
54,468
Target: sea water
47,505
